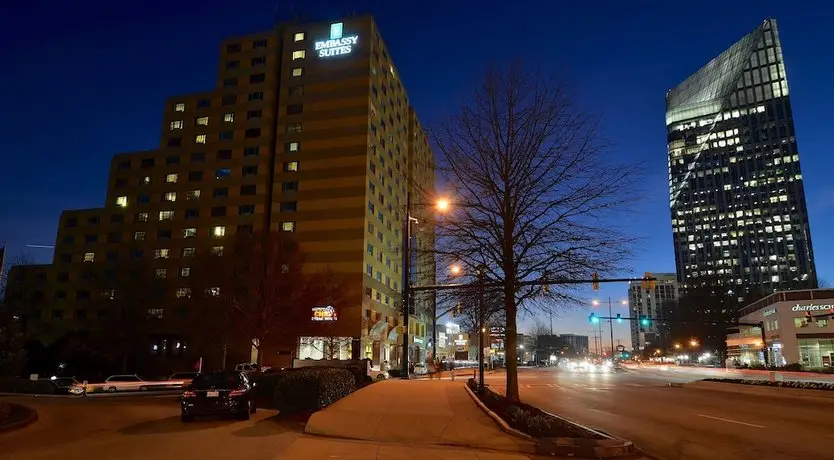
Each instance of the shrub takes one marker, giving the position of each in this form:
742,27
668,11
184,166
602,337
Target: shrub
26,386
265,389
312,388
779,384
360,375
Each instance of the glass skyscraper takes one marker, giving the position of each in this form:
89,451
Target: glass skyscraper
735,187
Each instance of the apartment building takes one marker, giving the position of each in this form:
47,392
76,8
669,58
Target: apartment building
309,131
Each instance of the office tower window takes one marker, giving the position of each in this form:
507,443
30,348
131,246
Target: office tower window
218,231
89,257
289,206
222,173
294,109
198,157
143,198
257,78
166,215
224,154
177,124
294,127
124,165
218,211
231,65
289,186
297,71
200,139
256,61
299,54
246,209
117,218
169,196
220,192
228,117
202,121
245,229
161,253
195,176
147,163
230,82
297,90
188,252
216,250
160,273
293,146
253,114
179,107
299,36
290,166
232,48
229,99
247,190
288,226
175,142
183,293
171,178
251,151
141,217
252,133
203,103
172,160
226,135
256,96
121,201
190,232
192,213
192,195
249,171
185,272
259,43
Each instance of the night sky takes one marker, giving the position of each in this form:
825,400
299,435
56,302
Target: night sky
84,80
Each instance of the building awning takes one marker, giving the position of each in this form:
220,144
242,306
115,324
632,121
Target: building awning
395,333
378,330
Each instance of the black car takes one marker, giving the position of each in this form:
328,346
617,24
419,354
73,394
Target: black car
218,393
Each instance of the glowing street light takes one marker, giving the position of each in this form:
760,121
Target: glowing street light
455,269
442,204
677,346
693,343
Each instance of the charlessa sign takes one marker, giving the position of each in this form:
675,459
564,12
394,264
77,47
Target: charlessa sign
812,307
338,44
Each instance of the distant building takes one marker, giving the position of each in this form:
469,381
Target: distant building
561,345
736,192
652,303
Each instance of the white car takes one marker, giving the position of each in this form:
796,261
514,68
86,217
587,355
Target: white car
131,382
420,369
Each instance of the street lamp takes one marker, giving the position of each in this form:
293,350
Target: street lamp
440,205
455,270
693,343
610,321
677,346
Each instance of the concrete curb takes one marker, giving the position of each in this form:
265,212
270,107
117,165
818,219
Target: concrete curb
608,447
30,418
760,390
143,395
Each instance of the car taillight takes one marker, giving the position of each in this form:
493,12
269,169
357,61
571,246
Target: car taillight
238,392
189,394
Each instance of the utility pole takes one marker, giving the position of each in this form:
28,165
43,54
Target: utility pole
481,329
551,322
406,293
611,326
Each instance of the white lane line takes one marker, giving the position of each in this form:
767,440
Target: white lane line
730,421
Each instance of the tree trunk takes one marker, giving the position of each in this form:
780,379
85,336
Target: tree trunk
223,355
510,341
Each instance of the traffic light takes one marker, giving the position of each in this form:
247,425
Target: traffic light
593,319
595,282
619,318
644,320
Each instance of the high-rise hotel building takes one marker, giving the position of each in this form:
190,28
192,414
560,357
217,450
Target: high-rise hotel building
309,130
735,187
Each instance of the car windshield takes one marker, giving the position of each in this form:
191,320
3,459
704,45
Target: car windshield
217,380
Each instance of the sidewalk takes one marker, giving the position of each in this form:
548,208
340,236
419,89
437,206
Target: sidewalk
420,416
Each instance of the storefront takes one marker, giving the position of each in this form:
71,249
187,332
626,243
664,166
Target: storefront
793,327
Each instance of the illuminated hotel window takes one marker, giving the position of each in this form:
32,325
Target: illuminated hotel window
217,250
161,253
287,226
291,166
183,292
218,231
169,196
176,125
200,139
139,236
192,195
179,107
166,215
229,117
185,272
189,232
121,201
297,71
292,146
299,54
171,178
299,36
142,217
161,273
146,180
89,257
202,121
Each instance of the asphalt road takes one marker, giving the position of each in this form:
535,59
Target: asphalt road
676,423
140,428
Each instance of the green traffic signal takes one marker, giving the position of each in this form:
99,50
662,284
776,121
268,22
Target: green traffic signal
593,318
645,321
619,318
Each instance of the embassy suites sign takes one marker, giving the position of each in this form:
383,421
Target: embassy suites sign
338,44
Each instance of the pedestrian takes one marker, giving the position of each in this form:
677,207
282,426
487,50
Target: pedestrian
431,368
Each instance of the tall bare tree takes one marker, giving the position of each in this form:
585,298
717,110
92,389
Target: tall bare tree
534,192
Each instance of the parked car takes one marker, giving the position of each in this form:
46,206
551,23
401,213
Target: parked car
420,369
131,382
182,379
218,393
63,385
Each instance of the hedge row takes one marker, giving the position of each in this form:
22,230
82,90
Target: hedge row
528,419
305,389
26,386
779,384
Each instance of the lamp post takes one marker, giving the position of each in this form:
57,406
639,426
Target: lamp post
610,322
481,328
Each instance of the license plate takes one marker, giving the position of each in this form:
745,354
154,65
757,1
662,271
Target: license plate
212,394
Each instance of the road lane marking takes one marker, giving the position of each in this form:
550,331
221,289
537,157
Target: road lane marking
730,421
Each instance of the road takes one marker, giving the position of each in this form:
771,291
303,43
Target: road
676,423
140,428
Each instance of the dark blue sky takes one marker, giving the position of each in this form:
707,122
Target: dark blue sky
84,80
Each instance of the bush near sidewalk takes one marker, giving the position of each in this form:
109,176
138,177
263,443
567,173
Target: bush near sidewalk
312,388
26,386
781,384
528,419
